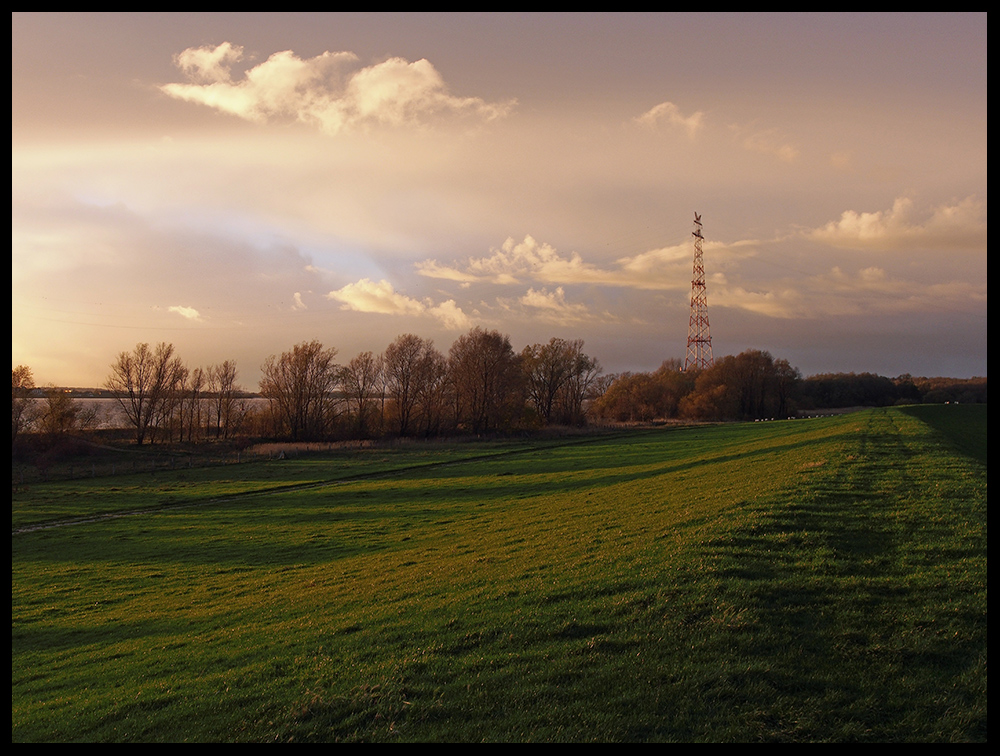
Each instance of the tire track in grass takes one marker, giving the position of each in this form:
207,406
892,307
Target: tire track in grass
313,485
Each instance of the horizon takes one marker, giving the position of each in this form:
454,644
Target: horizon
235,184
255,389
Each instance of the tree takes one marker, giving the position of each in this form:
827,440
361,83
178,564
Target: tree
633,397
299,386
196,387
752,376
224,391
583,375
787,380
487,379
360,382
547,369
716,395
60,413
433,391
174,411
646,396
558,377
142,381
674,383
403,366
21,385
848,390
749,386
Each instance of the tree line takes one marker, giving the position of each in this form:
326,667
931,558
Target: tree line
753,385
158,396
480,386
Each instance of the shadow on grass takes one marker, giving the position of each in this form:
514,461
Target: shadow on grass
964,425
872,626
323,522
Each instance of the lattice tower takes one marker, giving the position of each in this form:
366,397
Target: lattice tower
699,344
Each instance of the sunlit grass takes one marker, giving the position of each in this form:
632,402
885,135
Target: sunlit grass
797,581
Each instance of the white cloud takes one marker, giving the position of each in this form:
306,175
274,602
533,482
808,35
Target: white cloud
322,91
667,112
666,267
209,64
661,269
515,261
369,296
188,313
553,305
382,298
958,225
450,315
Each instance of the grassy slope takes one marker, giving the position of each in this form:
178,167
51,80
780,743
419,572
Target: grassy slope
813,580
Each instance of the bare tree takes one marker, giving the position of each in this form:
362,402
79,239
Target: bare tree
299,385
174,407
488,380
224,391
558,377
360,381
59,413
191,401
433,388
547,368
584,371
199,382
142,381
21,385
403,363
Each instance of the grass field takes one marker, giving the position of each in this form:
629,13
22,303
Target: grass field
796,581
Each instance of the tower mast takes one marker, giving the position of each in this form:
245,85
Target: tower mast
699,343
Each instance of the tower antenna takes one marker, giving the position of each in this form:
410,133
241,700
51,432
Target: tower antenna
699,345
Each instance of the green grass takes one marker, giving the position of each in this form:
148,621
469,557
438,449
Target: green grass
961,425
820,580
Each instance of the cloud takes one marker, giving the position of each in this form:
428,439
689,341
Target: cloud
209,64
961,224
514,262
553,306
667,112
872,290
186,312
382,298
838,293
323,91
450,315
781,303
662,268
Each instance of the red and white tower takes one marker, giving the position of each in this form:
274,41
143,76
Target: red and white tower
699,346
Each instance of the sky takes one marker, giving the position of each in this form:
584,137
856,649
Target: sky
236,184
